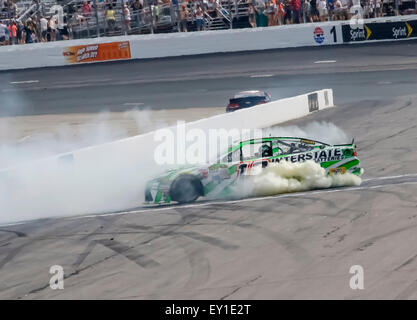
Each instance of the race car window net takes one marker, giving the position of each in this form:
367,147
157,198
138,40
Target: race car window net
292,146
256,150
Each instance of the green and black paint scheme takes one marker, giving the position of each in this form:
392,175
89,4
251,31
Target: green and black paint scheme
187,184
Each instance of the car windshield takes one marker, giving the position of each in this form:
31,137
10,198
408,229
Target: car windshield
266,149
293,146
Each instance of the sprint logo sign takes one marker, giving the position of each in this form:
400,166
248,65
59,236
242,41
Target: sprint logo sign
359,31
402,32
356,32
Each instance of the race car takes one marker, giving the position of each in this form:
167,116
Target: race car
247,99
187,184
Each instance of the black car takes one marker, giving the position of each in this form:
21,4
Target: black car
246,99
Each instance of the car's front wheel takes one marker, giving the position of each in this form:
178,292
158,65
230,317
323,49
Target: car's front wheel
186,188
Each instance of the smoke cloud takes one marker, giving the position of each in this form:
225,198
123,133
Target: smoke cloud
285,177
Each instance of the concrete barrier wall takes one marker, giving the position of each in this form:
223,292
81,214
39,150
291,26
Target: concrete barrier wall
141,148
179,44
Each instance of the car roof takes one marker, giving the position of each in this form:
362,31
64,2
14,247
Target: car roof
249,93
237,145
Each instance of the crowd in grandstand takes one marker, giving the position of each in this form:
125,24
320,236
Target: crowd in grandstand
184,16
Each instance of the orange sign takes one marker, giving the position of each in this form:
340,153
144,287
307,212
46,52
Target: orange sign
98,52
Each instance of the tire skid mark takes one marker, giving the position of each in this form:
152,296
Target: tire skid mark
198,262
129,253
408,291
407,262
17,233
247,283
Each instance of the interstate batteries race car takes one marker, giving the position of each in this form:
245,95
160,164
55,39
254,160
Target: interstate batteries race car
187,184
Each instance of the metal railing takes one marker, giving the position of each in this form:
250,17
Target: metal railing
165,17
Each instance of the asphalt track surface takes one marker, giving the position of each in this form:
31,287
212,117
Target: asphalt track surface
210,80
299,245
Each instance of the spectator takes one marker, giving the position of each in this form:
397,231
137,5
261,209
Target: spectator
314,11
137,12
110,17
20,29
44,28
212,8
345,10
127,18
307,11
270,12
155,12
136,5
29,32
295,5
323,10
52,28
65,33
279,12
183,18
59,20
262,20
13,32
288,12
252,15
378,7
3,31
199,18
86,9
330,7
338,10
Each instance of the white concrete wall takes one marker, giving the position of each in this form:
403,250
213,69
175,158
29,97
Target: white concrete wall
180,44
141,148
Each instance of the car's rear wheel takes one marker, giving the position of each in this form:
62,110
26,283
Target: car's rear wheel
186,188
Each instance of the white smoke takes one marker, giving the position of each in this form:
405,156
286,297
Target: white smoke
326,132
285,177
33,184
63,138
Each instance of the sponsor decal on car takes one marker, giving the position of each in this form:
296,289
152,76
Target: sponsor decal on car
338,170
307,141
318,156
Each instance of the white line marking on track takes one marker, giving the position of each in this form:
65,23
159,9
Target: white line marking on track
286,195
26,81
199,205
262,75
391,177
325,61
133,104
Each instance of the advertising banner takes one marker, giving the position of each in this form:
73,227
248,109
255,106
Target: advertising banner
380,31
98,52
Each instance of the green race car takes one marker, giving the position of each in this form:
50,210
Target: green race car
187,184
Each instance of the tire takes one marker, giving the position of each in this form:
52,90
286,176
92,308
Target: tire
186,188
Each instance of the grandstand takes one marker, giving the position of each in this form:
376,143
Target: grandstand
162,16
